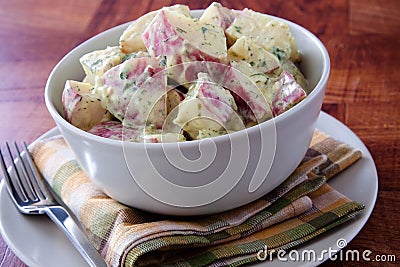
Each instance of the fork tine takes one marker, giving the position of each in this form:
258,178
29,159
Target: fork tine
26,181
16,194
34,177
18,179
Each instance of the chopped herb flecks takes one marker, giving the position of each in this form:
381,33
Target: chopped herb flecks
180,30
238,29
279,53
123,75
203,30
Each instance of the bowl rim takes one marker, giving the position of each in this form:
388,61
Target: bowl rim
59,119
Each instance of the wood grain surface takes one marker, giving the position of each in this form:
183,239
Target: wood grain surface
363,92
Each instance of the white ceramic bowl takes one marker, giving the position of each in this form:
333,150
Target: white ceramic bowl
242,166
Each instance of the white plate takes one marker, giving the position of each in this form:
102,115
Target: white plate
38,242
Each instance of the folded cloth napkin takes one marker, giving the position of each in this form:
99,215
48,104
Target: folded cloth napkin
299,209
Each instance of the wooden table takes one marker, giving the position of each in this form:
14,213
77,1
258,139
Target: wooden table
363,92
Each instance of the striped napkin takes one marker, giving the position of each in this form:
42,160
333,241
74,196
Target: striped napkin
301,208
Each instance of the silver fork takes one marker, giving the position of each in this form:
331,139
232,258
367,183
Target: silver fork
32,195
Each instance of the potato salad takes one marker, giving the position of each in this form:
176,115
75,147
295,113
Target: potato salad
177,78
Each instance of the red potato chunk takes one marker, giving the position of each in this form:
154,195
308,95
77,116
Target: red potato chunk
273,35
184,72
134,91
81,107
171,33
131,39
259,58
218,15
287,93
206,106
252,104
96,63
290,67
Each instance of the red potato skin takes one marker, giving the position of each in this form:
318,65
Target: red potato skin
219,15
135,83
289,93
162,39
115,130
212,102
80,107
250,100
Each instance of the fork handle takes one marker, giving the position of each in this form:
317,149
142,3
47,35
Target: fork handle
67,224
